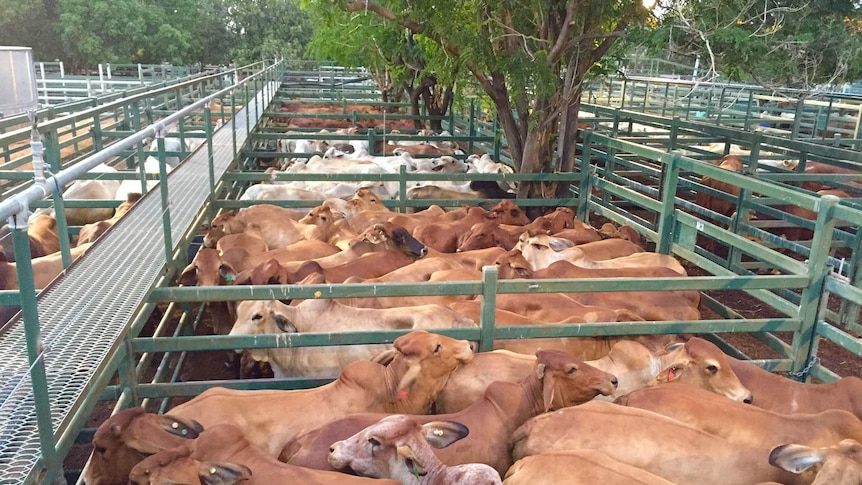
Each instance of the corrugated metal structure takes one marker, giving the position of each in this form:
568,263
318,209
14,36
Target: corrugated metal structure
17,81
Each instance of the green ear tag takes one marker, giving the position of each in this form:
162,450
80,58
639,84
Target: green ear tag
415,471
228,277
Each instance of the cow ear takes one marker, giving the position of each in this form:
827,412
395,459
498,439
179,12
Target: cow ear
375,235
189,276
227,273
794,458
283,323
411,461
672,372
441,434
558,243
540,371
184,428
384,358
222,473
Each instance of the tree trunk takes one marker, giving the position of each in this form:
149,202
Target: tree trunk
437,103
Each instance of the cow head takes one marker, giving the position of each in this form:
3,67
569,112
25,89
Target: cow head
484,235
567,381
840,464
129,436
541,250
258,317
561,219
447,164
512,265
396,447
394,237
207,269
270,272
175,466
367,199
422,364
507,212
702,364
222,224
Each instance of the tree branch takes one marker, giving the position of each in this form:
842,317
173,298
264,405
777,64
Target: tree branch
560,45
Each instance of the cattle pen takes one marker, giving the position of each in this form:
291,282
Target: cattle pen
115,327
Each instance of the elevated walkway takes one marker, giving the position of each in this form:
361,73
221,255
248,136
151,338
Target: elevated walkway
86,313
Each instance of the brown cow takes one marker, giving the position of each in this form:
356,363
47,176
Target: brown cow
124,438
407,385
400,448
558,380
278,225
782,395
226,443
652,305
580,467
742,423
174,466
487,234
634,365
45,269
717,204
840,464
655,443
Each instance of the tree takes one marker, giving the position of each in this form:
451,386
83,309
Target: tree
265,29
794,43
398,60
529,57
31,23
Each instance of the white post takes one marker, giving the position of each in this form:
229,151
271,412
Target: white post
696,64
62,70
44,88
101,79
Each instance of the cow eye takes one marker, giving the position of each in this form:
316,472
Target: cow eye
373,442
572,371
257,316
712,369
514,212
100,449
538,247
438,348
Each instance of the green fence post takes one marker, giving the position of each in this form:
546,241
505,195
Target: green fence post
372,143
208,122
667,216
803,340
52,154
472,125
489,304
748,111
720,106
797,119
136,126
35,355
585,184
402,189
166,208
233,119
97,133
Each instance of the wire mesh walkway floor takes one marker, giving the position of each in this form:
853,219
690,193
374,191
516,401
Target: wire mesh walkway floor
84,315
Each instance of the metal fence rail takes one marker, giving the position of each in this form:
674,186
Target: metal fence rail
85,314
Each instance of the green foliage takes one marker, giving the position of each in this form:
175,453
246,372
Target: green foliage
31,23
791,43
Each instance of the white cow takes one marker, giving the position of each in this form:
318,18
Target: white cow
264,317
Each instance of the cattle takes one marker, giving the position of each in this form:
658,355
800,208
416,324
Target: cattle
443,237
487,234
225,443
174,466
263,216
407,385
92,190
91,232
579,235
398,447
581,467
242,260
557,380
251,241
840,464
655,443
742,423
817,168
542,250
126,187
268,317
264,191
658,305
42,229
635,366
126,437
45,269
718,204
365,219
782,395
